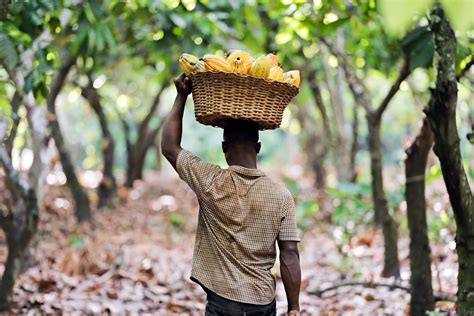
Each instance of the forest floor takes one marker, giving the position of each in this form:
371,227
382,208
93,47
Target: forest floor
136,258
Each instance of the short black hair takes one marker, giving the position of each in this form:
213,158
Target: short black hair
240,131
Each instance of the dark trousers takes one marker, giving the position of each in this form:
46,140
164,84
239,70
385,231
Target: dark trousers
220,306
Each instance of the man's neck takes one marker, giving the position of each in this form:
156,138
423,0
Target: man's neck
246,162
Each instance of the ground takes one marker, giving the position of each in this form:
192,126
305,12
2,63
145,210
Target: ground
136,258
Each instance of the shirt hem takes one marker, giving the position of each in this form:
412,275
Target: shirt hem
196,280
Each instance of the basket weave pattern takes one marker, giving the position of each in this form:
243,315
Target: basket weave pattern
221,95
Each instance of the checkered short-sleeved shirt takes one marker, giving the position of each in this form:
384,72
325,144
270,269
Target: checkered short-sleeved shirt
242,214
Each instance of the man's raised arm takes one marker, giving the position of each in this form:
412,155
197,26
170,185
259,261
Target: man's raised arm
290,274
173,126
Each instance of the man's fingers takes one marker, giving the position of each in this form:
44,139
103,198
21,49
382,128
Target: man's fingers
180,78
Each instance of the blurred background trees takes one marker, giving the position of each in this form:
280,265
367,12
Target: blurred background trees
85,86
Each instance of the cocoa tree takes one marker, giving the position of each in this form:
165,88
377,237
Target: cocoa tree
82,204
108,183
374,119
421,291
441,114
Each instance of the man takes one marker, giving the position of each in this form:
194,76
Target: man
242,213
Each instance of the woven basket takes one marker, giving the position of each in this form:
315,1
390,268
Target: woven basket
219,96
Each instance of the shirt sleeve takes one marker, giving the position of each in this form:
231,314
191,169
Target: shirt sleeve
196,173
288,230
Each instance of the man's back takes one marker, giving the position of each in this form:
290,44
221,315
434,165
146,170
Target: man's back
242,214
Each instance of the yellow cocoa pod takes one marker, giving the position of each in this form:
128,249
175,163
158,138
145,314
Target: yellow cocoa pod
214,62
292,77
272,60
190,63
260,67
276,73
240,61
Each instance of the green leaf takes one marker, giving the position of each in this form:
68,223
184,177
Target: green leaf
109,37
460,13
8,52
322,29
411,39
423,57
419,45
89,13
100,43
91,41
119,8
398,14
75,241
54,23
76,46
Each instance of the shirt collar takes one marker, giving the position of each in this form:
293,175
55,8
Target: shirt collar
246,171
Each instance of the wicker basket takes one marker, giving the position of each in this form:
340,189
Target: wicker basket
219,96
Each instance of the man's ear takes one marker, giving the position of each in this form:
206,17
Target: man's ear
224,147
258,147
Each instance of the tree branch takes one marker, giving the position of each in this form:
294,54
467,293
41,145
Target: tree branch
316,91
404,73
19,187
58,82
465,69
5,220
143,128
392,286
15,104
356,84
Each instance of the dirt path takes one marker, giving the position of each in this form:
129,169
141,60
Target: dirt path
136,259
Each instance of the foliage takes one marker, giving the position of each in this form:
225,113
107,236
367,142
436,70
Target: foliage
352,206
399,15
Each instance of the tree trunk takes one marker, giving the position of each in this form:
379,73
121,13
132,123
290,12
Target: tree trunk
108,184
342,130
313,146
355,144
19,226
441,114
381,208
319,146
82,209
15,105
138,150
421,290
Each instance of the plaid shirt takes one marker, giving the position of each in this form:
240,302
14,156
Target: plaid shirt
242,213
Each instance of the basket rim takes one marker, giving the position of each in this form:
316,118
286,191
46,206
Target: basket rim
241,75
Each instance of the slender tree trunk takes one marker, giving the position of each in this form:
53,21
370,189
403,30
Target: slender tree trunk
381,208
355,144
130,152
319,146
421,290
342,130
107,186
313,146
316,153
10,274
15,105
441,114
83,211
20,227
139,149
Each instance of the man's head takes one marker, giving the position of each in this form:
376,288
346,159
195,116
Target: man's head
240,140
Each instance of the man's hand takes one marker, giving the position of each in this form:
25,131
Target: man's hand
183,85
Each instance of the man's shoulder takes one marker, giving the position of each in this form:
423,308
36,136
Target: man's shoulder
279,188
